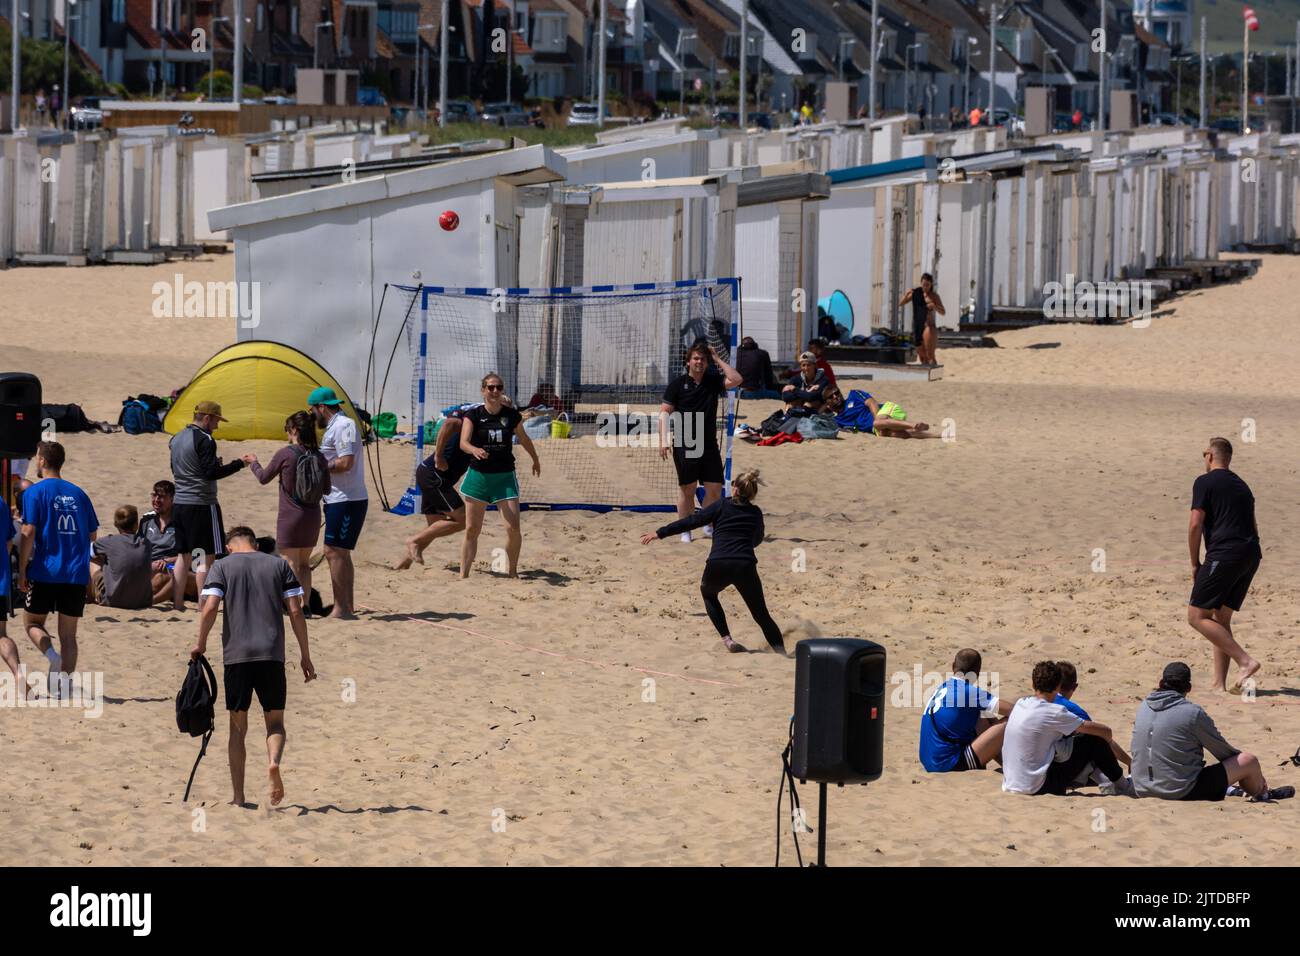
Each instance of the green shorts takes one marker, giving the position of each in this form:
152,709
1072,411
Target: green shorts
490,487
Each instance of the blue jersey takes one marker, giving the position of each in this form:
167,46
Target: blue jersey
1072,707
64,520
457,460
948,722
6,536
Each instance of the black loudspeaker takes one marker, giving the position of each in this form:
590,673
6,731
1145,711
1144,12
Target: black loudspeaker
839,711
20,414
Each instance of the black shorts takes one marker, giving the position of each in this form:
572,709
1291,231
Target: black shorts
967,761
199,526
706,466
1223,582
437,489
67,600
4,608
1211,784
264,677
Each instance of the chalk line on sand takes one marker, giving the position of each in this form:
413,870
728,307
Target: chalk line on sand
549,653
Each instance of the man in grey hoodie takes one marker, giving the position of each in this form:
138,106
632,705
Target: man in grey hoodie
1170,735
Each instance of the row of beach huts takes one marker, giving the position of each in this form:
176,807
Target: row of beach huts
323,219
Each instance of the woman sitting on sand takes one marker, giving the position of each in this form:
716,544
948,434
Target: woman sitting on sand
487,436
297,525
737,531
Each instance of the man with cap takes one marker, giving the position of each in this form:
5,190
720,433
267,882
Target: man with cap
196,515
1170,735
345,504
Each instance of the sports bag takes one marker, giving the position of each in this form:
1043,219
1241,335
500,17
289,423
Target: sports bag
195,709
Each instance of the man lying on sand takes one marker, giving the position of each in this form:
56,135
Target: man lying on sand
256,589
961,727
1039,755
1170,735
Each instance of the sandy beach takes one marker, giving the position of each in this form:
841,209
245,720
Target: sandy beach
504,722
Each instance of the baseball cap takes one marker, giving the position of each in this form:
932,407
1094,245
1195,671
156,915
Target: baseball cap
807,357
209,408
323,396
1177,672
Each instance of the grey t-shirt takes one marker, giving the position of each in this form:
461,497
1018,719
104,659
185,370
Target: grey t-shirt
162,541
253,587
127,570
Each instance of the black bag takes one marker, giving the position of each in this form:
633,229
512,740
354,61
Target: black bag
67,418
772,424
196,708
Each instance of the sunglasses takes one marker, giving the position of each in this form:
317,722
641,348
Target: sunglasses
494,388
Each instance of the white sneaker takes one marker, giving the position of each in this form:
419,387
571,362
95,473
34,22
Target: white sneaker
686,537
708,531
1120,788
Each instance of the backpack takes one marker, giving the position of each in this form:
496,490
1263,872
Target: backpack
138,418
856,414
195,708
308,478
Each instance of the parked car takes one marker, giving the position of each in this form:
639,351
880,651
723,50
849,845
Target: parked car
370,96
86,114
584,114
1015,125
1166,119
461,111
504,114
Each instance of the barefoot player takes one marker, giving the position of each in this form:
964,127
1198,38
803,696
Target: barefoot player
1223,513
256,588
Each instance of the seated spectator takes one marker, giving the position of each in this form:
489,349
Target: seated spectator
961,725
1037,757
120,574
545,396
818,349
805,391
156,528
1170,735
1064,697
755,368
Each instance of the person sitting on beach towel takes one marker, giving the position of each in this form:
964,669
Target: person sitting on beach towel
961,725
1170,737
1040,755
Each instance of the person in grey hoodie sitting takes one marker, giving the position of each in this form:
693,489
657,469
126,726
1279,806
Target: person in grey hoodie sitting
1170,736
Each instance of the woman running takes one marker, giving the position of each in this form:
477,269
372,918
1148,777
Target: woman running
486,436
297,524
737,531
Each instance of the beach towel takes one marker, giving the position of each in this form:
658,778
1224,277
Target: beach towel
195,709
856,414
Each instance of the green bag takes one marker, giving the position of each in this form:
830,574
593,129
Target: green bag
431,432
385,424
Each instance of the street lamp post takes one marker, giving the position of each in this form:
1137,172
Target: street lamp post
67,48
875,49
971,43
744,61
1101,70
212,51
907,77
442,67
993,63
14,60
422,71
315,53
1202,72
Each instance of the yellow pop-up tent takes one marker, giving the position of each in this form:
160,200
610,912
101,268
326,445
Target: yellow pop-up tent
258,385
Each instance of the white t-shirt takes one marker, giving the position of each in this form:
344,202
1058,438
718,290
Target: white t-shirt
341,439
1029,746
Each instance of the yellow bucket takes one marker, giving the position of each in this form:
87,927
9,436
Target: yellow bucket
561,429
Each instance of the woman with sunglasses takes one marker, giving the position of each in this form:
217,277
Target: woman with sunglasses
487,433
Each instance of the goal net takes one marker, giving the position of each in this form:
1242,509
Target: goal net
598,357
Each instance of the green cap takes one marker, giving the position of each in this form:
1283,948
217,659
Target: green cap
323,396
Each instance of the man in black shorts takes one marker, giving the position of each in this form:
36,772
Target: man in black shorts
257,588
59,526
196,469
436,478
1223,512
692,400
1170,737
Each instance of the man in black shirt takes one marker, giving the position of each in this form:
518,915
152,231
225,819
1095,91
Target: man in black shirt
755,367
692,400
1223,512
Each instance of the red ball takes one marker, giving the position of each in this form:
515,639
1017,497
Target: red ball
449,220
